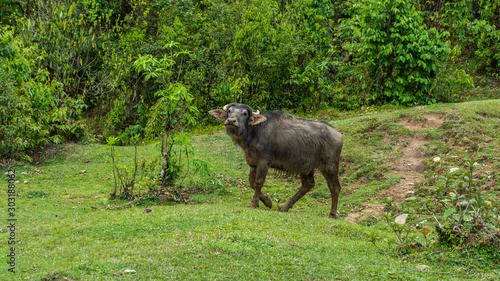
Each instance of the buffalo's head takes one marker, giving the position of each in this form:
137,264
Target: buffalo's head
237,117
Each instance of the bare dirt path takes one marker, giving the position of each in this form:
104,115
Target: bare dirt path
409,167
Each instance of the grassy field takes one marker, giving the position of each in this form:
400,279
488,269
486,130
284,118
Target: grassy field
67,227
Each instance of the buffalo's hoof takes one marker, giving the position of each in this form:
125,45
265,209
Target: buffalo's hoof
266,201
253,205
283,208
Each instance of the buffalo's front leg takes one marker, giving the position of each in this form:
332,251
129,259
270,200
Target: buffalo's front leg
307,184
257,178
262,196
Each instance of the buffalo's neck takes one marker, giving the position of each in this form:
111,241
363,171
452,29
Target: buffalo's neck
243,140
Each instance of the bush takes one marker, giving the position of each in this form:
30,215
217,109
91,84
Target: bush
397,56
474,25
34,110
466,215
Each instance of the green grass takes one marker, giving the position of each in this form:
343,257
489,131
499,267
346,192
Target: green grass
66,228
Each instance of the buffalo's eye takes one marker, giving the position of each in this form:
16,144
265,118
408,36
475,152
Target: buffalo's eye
229,110
245,113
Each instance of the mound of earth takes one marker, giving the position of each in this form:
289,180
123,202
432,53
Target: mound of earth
409,167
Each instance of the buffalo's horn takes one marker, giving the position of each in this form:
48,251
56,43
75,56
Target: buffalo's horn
225,107
258,112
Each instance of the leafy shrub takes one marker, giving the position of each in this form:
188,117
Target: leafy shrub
73,36
398,56
487,38
133,181
34,110
452,85
470,215
474,25
143,179
465,215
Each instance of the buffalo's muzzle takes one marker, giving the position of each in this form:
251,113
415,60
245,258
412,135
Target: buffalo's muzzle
231,122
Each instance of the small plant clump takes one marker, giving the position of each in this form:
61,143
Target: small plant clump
470,216
142,182
465,215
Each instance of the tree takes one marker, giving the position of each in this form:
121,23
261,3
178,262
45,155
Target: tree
172,112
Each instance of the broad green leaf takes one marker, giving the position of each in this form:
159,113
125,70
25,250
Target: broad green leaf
448,212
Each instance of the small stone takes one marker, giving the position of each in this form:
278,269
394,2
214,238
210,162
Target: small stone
454,170
423,267
401,219
436,159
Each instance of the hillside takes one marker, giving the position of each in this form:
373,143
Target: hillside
69,229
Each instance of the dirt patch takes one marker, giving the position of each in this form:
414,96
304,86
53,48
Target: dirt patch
369,210
429,120
434,120
409,167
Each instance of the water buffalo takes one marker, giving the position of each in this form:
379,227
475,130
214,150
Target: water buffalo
274,139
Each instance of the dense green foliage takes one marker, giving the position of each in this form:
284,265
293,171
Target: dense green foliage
398,56
34,110
297,55
473,26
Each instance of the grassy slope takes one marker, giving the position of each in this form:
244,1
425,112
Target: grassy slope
64,227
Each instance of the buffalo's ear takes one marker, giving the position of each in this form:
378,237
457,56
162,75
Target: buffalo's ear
256,119
219,114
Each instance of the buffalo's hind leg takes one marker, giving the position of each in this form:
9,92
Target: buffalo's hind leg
332,178
262,196
307,184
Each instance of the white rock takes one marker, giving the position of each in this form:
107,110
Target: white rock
131,271
454,170
401,219
436,159
423,267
